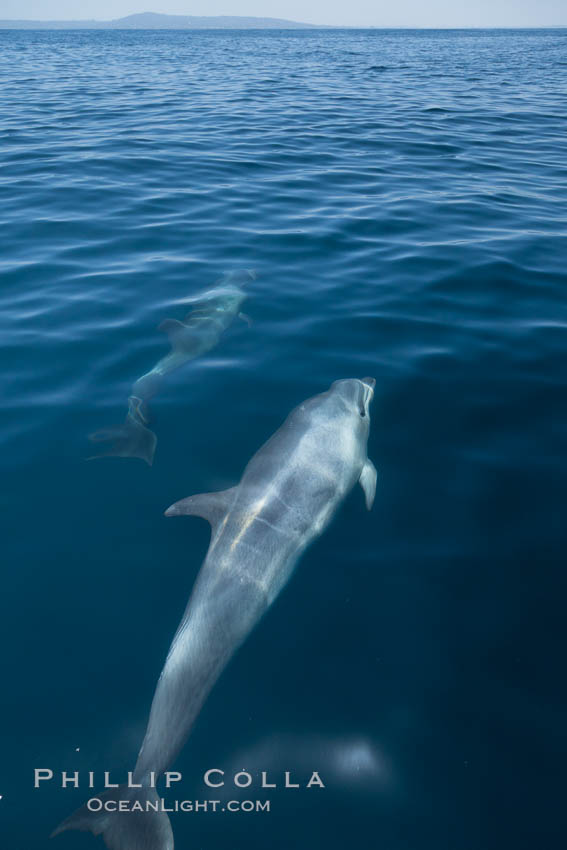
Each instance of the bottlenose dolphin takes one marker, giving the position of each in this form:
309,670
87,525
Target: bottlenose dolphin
287,496
210,315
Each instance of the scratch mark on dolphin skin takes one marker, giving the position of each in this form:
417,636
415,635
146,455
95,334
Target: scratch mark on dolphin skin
248,522
269,524
285,504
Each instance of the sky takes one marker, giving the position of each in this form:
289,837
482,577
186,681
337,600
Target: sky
416,13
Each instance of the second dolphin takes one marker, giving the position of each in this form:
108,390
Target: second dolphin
210,315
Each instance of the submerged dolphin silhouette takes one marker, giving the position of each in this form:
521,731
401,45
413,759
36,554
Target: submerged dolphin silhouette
211,313
287,496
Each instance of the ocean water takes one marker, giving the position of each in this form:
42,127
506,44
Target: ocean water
402,198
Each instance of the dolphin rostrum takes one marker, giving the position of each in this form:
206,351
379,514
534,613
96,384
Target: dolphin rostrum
287,496
210,315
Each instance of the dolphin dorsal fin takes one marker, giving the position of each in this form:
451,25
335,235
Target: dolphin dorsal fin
171,327
211,506
367,480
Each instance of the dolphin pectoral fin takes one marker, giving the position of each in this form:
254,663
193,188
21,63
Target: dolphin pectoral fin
367,480
245,318
171,327
211,506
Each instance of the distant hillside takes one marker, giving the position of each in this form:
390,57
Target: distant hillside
152,21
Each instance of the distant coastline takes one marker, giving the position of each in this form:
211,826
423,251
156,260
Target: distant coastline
151,20
155,21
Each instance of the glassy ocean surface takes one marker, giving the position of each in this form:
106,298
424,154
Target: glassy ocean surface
402,198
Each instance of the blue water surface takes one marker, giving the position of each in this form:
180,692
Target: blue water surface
402,196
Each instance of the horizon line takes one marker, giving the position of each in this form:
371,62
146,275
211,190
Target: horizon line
299,24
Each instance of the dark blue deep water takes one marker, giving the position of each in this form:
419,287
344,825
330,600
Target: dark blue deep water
402,197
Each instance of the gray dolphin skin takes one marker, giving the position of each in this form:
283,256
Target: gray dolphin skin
211,314
288,494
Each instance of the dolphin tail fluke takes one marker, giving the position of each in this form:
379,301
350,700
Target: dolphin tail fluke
130,439
143,826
